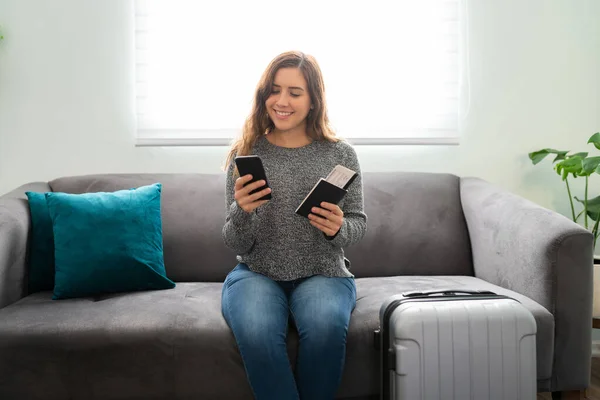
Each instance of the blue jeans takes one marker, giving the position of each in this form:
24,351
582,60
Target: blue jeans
257,308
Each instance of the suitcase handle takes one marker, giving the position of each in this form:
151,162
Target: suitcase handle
448,293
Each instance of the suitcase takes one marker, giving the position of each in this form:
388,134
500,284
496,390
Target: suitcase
456,345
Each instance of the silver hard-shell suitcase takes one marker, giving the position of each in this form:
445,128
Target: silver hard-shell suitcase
456,345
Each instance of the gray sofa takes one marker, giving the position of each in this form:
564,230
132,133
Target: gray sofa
425,231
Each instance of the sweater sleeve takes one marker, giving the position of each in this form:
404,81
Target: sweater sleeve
239,228
354,226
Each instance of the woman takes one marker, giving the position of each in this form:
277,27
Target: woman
288,264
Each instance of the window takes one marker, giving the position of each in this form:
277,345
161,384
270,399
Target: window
391,67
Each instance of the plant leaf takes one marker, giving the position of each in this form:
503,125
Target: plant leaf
581,172
589,165
583,155
537,156
561,155
593,206
595,139
572,165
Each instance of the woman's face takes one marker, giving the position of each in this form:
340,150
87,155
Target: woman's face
289,101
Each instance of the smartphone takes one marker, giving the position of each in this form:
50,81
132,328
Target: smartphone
253,165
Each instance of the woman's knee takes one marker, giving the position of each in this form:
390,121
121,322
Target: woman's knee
259,331
256,330
326,327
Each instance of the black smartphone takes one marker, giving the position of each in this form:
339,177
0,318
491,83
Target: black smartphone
253,165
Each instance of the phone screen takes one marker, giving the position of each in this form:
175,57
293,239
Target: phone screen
253,165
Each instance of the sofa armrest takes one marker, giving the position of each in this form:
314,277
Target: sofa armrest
15,222
521,246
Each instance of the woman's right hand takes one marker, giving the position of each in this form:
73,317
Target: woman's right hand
249,202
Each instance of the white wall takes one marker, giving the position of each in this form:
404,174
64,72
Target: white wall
66,103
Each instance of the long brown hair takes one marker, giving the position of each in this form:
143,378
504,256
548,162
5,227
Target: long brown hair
258,122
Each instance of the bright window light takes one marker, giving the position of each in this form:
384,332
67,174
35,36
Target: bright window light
391,68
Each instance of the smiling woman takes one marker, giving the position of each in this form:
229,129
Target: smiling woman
179,84
291,267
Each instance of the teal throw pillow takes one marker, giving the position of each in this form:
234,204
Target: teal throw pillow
107,242
41,245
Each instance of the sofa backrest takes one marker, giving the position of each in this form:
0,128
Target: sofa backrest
415,226
415,223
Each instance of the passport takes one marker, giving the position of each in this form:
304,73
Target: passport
331,190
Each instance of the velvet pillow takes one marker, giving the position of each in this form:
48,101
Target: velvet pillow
107,242
41,247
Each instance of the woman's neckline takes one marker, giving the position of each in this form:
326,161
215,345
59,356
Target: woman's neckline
270,144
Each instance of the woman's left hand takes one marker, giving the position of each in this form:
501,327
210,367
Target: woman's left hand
328,218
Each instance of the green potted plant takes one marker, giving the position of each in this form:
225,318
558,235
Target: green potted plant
579,165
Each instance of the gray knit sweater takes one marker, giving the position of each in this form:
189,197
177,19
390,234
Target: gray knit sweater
275,241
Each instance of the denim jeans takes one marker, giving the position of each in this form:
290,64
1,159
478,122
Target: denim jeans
257,308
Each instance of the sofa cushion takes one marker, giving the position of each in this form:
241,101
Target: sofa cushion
139,345
176,343
41,254
107,242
